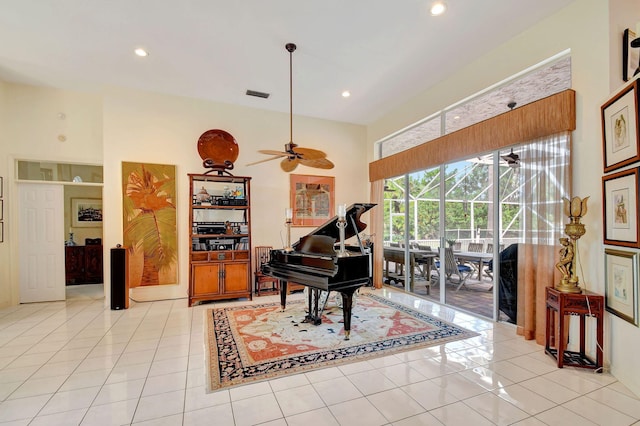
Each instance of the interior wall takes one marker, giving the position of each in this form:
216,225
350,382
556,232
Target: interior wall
584,27
31,128
6,296
152,128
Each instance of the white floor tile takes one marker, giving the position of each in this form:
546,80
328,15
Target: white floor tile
219,414
496,409
160,405
459,414
117,413
394,404
357,412
337,390
66,418
257,409
319,417
146,366
560,416
525,399
23,408
70,400
298,400
597,412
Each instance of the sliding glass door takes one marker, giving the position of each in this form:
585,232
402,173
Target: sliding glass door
469,229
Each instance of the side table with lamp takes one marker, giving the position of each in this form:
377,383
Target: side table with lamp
567,298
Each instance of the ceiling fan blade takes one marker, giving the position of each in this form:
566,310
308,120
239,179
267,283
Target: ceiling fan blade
272,152
318,163
289,165
265,160
310,154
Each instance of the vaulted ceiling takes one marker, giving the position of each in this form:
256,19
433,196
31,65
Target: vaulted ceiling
382,51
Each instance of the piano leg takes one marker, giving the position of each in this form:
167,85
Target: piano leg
283,294
314,316
347,300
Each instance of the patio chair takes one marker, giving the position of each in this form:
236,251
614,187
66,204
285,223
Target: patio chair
452,267
475,247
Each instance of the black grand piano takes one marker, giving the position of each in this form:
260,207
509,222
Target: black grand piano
315,263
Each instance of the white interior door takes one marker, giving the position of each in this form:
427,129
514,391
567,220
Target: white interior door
41,241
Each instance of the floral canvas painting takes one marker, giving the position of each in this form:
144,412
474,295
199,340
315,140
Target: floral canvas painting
149,222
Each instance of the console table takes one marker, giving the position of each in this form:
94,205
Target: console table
585,304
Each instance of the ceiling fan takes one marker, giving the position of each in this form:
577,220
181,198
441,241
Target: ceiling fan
294,155
512,159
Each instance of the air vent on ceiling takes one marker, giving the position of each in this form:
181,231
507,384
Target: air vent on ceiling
257,94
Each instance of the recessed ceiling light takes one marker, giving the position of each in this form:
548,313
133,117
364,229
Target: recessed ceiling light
346,94
457,117
438,8
141,52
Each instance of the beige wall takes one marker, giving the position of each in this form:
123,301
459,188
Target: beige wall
584,28
164,129
121,125
134,126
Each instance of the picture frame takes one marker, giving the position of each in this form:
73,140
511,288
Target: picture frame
312,199
1,209
1,186
620,204
1,232
630,56
86,212
620,131
621,284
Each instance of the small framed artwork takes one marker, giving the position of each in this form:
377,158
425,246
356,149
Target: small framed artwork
86,212
1,209
620,204
621,284
1,185
630,56
312,199
1,232
620,132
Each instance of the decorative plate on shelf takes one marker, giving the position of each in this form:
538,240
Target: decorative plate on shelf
218,149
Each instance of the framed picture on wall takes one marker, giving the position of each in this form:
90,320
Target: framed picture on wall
620,131
630,56
86,212
312,199
621,284
620,204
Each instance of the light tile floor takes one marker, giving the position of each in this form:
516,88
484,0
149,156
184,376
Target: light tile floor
77,362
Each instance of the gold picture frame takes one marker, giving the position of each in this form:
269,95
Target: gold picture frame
312,199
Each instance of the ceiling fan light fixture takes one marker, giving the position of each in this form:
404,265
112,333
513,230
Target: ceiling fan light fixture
292,154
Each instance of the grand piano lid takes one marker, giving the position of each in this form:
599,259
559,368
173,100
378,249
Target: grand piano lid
352,216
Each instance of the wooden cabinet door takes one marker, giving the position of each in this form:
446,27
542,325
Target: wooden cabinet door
206,279
236,277
93,264
74,264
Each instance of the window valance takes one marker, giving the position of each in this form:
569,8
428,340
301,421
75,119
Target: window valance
548,116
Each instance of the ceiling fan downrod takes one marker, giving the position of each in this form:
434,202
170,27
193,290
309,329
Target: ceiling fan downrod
290,48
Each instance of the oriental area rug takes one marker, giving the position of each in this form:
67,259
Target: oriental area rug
257,342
